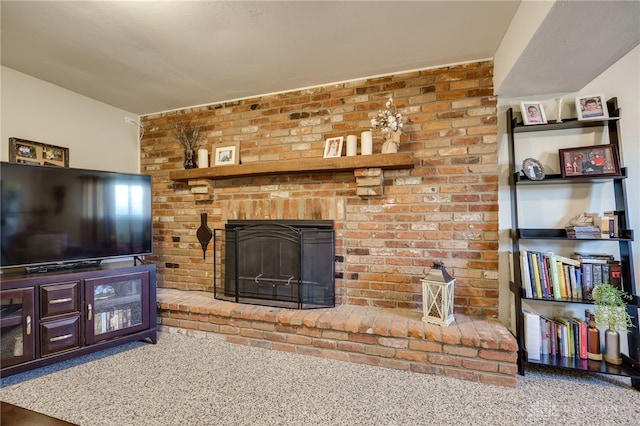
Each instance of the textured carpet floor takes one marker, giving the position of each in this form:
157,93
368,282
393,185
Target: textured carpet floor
202,380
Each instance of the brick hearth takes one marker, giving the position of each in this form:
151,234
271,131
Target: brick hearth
475,349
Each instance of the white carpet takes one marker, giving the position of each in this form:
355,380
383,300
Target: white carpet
202,380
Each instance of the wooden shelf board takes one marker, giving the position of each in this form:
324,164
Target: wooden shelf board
305,165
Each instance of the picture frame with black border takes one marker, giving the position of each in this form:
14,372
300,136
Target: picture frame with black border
592,107
226,154
532,113
37,153
590,161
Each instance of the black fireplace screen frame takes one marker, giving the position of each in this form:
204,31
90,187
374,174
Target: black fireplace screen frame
288,264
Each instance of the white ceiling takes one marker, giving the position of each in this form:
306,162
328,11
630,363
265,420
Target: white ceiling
152,56
146,57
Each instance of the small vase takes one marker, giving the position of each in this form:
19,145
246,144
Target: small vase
204,234
612,347
559,110
392,141
593,340
389,147
188,159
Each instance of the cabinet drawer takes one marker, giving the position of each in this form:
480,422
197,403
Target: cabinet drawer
56,336
59,299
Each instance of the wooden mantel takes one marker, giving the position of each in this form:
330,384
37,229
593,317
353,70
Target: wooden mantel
396,161
367,170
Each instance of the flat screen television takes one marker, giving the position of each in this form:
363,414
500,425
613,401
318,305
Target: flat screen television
59,215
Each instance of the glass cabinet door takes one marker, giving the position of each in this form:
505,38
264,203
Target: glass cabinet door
17,326
116,306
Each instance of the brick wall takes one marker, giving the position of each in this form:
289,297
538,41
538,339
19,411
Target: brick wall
443,209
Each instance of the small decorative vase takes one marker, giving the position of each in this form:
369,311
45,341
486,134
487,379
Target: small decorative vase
559,110
593,340
391,143
612,347
188,159
204,234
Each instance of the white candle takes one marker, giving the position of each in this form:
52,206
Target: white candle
352,145
203,158
366,139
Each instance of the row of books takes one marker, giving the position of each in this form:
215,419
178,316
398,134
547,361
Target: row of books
551,276
566,337
112,320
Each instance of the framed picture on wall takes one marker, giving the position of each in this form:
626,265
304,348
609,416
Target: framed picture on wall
592,107
30,152
597,160
226,154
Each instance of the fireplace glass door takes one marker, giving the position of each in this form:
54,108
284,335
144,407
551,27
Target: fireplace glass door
279,264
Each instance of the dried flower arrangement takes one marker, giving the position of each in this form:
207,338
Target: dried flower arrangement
188,135
387,121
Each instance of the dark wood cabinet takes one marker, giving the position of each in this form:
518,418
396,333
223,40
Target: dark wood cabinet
116,306
54,316
17,325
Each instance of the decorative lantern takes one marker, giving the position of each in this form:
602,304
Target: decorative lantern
437,296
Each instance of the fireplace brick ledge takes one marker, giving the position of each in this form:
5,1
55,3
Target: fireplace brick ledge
472,348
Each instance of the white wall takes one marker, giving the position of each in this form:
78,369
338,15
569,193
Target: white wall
621,80
95,133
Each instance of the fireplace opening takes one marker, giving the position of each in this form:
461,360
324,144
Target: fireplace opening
287,264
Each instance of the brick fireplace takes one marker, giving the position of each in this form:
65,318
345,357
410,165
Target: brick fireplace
443,209
390,224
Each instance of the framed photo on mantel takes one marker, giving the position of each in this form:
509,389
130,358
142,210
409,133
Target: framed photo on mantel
37,153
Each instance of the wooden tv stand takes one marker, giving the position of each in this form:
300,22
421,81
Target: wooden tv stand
54,316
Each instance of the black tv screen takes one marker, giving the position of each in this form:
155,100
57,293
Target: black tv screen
58,214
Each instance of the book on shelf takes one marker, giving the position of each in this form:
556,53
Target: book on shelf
532,334
536,275
544,336
592,257
585,231
563,283
583,345
553,275
587,280
617,223
524,274
576,292
615,275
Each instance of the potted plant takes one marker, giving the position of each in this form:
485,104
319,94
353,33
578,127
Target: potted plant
611,312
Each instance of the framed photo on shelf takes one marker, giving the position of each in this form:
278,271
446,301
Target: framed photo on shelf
532,113
37,153
226,154
533,169
596,160
592,107
333,147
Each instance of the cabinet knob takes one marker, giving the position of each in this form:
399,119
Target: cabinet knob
28,325
89,312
